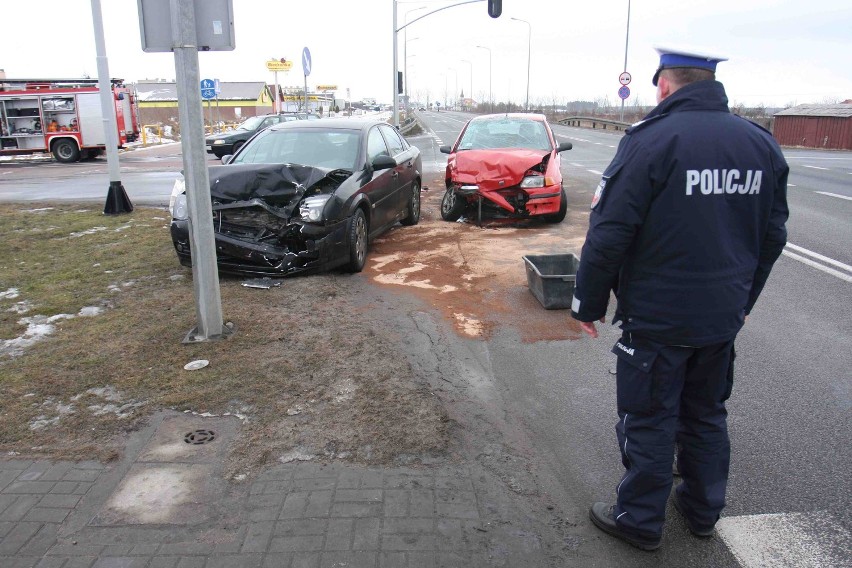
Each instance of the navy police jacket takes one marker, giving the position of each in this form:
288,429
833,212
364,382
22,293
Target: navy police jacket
686,222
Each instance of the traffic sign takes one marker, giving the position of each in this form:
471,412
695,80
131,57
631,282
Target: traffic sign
306,61
208,89
625,78
624,92
279,65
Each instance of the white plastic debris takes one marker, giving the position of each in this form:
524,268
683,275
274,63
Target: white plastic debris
197,364
262,283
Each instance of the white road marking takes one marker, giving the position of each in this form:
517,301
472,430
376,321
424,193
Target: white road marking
785,540
834,195
818,256
815,168
596,172
818,266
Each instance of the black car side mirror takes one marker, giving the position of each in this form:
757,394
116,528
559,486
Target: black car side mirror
446,149
564,146
383,162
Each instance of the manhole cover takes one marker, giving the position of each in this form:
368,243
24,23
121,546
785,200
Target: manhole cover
197,437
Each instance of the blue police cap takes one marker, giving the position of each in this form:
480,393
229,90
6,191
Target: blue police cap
679,58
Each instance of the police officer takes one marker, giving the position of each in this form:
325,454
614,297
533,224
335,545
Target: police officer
686,224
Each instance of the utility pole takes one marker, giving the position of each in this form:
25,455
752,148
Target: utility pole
117,201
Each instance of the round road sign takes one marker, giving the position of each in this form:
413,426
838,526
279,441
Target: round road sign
306,61
625,78
624,92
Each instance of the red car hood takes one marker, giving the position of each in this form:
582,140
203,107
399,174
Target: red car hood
487,168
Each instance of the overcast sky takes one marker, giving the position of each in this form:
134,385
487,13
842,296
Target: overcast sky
781,51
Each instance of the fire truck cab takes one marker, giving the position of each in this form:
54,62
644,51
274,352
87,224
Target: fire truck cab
62,117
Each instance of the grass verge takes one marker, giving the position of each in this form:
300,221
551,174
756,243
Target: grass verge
92,312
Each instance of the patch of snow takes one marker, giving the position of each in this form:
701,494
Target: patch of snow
90,311
91,231
37,328
122,411
21,307
296,454
10,294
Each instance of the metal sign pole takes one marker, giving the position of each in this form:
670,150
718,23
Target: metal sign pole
205,272
277,99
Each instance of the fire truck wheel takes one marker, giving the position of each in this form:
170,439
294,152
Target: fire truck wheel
65,151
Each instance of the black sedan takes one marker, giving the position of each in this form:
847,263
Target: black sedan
306,196
231,141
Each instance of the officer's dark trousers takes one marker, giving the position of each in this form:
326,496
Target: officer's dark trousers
667,394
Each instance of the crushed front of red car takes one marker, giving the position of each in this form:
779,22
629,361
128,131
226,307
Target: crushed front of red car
515,182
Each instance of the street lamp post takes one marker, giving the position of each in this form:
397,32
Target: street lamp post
470,93
626,39
405,77
405,55
529,44
490,98
456,88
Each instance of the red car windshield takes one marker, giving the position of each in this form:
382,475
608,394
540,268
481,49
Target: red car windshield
505,133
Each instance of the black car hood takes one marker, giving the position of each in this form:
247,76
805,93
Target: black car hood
228,135
281,186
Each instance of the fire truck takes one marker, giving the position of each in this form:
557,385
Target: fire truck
62,116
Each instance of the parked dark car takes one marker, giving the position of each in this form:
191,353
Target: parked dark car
306,196
229,142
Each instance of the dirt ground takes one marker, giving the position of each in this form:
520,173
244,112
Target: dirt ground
314,371
476,275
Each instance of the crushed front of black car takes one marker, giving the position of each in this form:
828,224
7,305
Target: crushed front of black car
269,220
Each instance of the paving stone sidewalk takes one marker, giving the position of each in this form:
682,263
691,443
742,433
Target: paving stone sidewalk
301,514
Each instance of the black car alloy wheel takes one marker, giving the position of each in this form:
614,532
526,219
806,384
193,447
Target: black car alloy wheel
357,242
413,213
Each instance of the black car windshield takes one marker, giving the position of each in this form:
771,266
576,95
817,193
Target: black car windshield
332,149
250,123
505,133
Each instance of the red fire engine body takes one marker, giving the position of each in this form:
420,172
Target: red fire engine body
62,116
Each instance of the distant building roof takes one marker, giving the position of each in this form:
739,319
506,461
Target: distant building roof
155,91
841,110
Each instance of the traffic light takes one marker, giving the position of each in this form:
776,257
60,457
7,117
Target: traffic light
399,88
495,8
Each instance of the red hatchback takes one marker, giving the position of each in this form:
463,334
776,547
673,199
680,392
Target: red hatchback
505,165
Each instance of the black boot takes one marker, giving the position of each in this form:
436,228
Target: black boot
602,517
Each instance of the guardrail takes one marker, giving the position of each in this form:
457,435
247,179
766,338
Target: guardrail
407,124
594,122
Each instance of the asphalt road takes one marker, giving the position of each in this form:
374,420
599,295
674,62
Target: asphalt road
790,411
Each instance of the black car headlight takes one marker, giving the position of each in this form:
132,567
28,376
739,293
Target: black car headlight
310,209
219,142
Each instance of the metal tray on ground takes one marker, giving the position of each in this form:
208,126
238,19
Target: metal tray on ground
551,278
